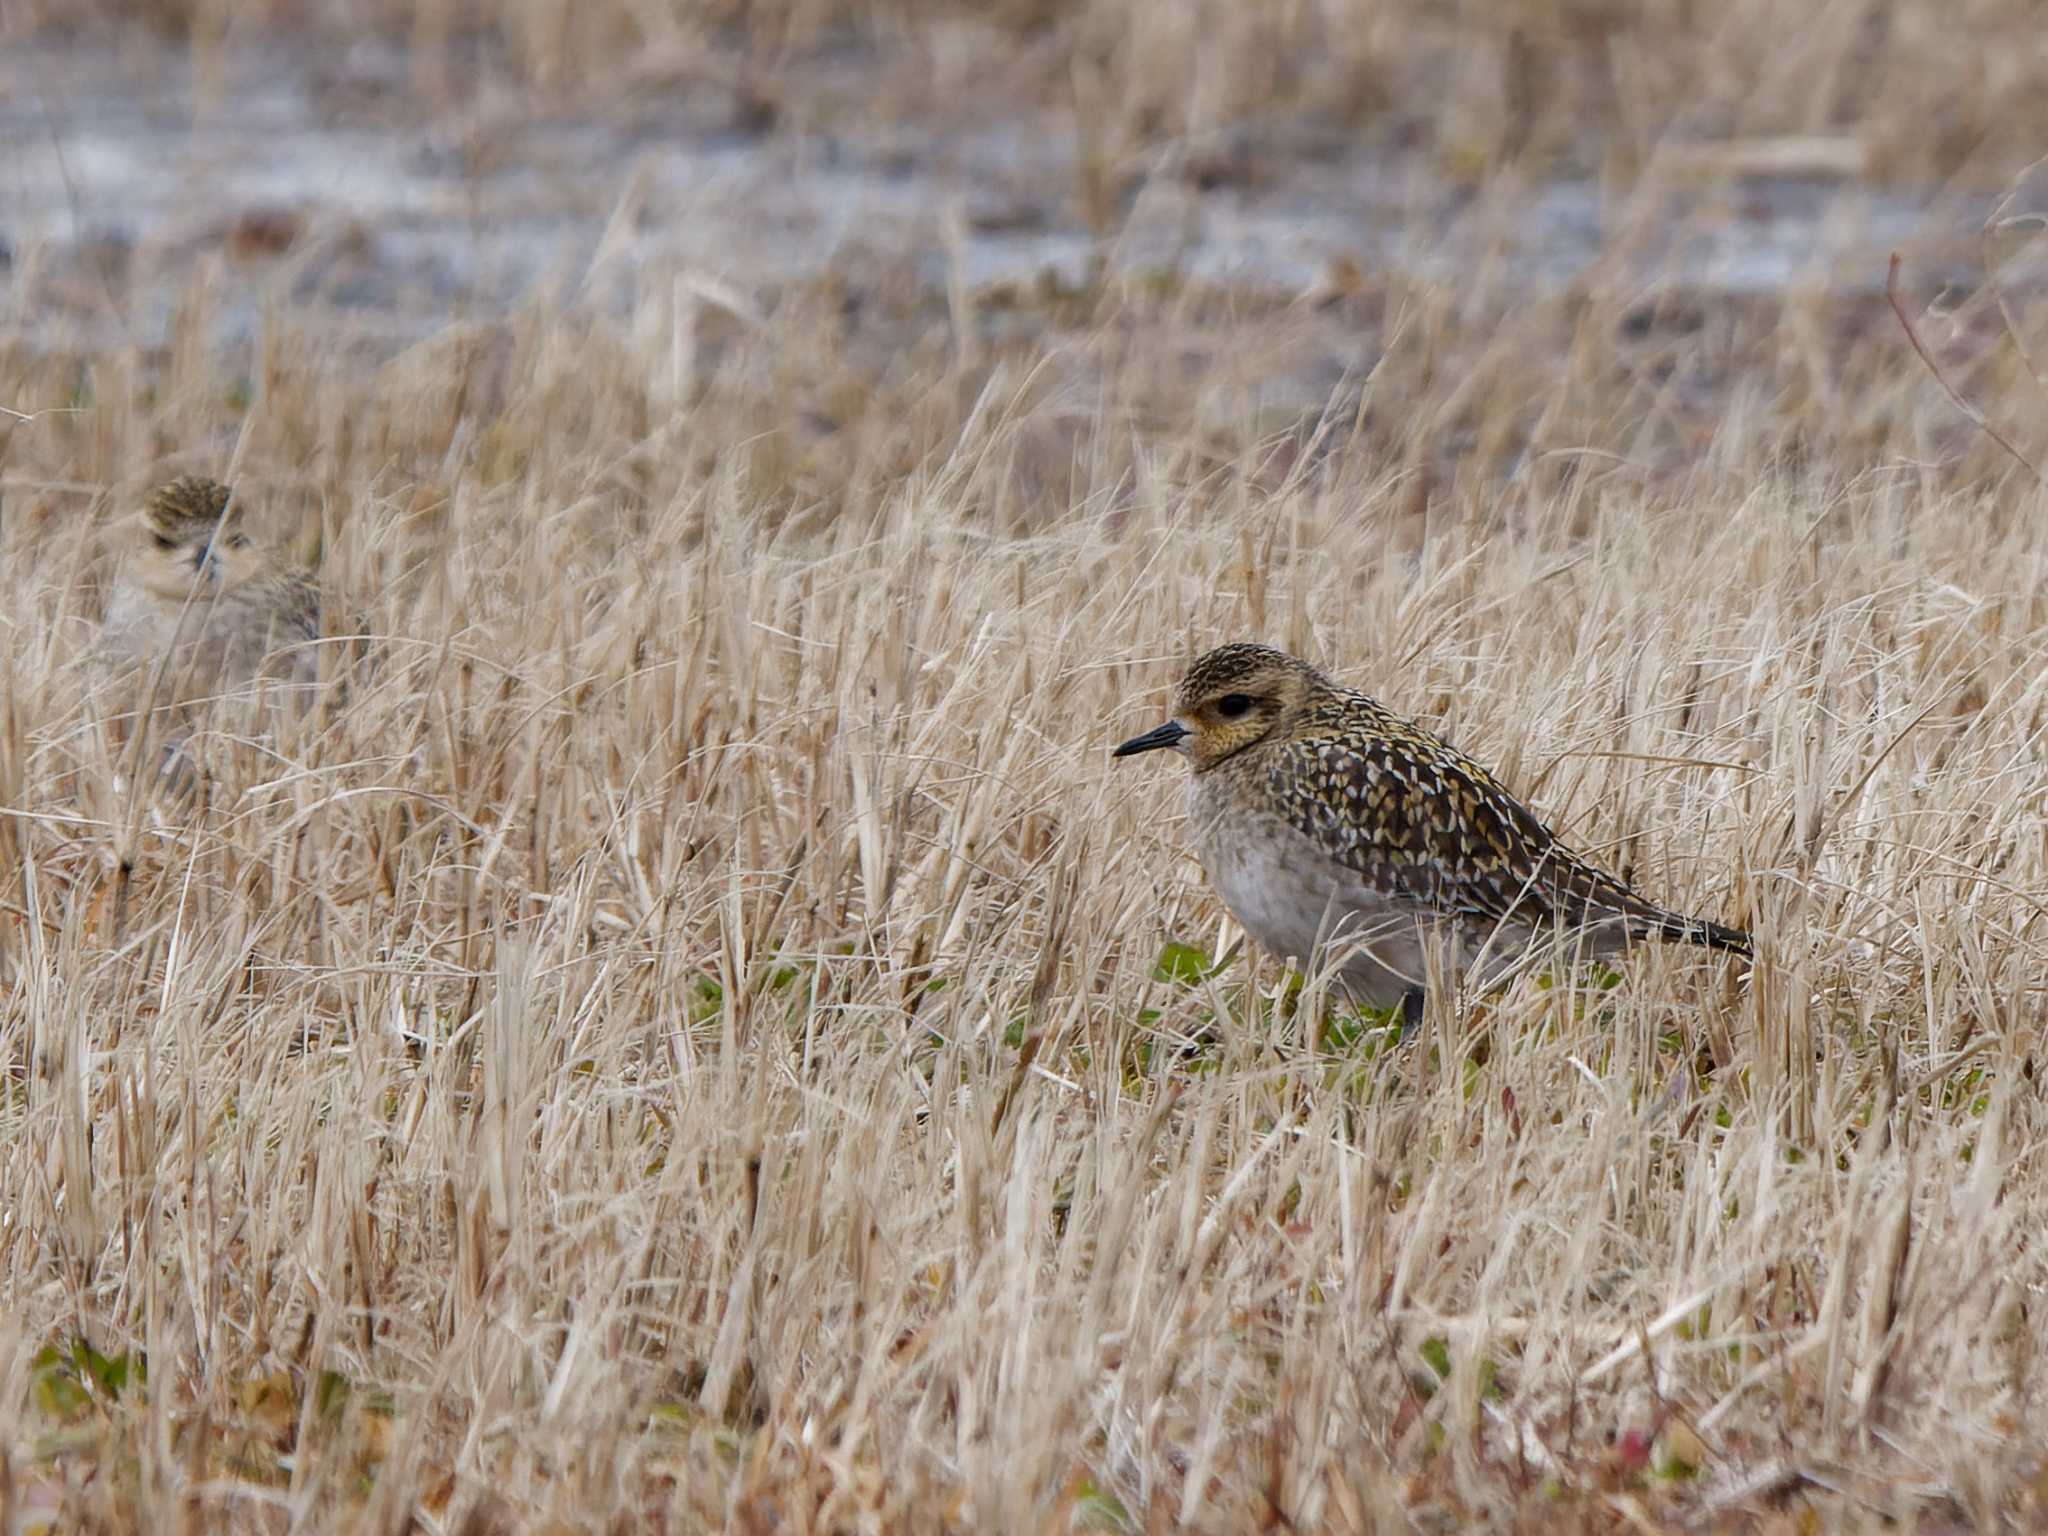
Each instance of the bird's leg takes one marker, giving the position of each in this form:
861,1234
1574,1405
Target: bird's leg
1411,1010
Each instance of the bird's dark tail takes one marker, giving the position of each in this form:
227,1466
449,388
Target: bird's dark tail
1697,930
1601,896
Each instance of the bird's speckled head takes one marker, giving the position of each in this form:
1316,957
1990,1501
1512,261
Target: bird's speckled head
191,536
1231,698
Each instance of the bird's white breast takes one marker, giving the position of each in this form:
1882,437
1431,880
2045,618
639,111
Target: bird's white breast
1287,893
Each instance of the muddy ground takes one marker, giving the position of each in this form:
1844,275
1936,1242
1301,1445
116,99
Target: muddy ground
313,175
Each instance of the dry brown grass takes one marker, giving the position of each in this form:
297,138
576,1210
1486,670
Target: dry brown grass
680,1044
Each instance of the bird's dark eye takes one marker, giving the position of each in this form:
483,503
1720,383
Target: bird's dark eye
238,541
164,541
1234,706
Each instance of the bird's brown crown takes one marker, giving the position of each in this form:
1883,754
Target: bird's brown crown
188,506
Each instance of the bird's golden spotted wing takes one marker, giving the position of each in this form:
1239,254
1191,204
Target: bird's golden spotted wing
1414,817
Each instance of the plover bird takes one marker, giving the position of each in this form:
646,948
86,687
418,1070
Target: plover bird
1336,831
195,588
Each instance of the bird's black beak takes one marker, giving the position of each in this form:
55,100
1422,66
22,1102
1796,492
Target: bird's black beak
1166,735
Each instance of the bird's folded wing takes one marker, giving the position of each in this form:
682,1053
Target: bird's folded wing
1413,816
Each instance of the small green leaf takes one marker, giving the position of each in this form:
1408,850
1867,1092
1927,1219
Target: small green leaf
1436,1354
331,1393
1181,963
671,1417
1098,1508
110,1373
54,1386
706,997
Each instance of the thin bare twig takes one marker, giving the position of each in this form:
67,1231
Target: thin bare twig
1977,417
1996,221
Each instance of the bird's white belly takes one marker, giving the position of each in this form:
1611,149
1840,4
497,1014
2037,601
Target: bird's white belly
1299,904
